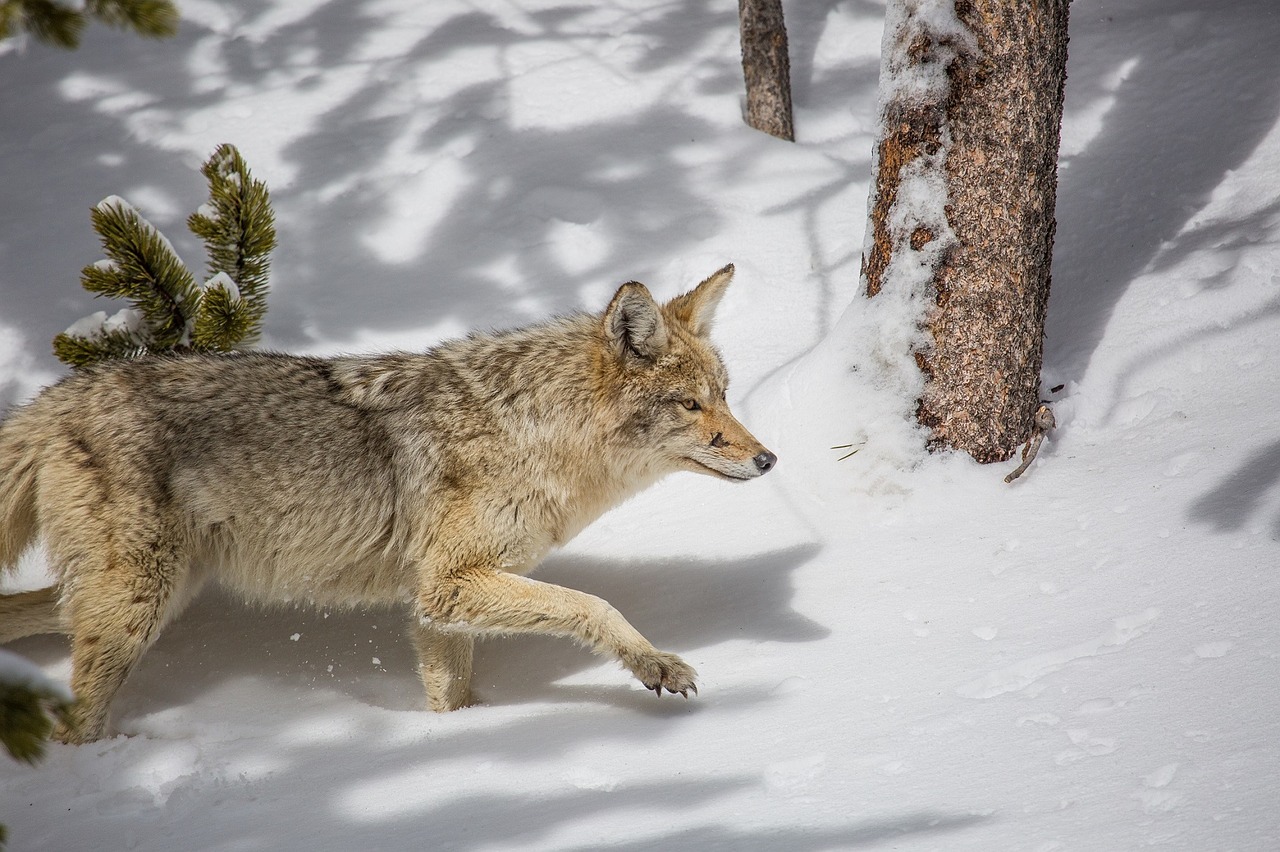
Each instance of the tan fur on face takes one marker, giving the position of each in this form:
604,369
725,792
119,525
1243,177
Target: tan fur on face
436,478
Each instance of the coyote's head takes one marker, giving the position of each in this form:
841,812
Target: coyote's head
672,382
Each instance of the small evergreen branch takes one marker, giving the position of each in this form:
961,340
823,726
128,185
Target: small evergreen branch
30,703
238,229
51,23
80,349
148,18
224,320
171,311
10,18
142,267
62,25
27,716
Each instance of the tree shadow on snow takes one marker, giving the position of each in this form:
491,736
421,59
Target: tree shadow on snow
373,791
366,784
724,838
63,148
369,794
533,212
1242,493
1182,118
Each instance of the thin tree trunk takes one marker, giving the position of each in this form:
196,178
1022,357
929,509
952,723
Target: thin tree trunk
766,67
992,133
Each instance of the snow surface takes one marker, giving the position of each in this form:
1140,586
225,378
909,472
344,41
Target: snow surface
896,652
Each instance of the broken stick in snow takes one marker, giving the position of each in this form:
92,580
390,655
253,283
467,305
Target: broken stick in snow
1043,423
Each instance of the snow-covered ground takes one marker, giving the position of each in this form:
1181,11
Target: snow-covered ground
895,652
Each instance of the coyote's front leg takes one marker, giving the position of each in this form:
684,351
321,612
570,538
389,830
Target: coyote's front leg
489,600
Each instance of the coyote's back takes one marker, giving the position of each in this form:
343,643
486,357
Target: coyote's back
231,459
435,479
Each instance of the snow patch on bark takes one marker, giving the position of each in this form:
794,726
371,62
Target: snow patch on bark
922,38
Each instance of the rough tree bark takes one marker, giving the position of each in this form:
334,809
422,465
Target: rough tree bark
991,132
766,67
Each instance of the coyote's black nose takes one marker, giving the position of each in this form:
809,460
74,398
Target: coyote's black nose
765,461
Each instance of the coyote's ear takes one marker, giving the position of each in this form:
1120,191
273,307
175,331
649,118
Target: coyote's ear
633,323
697,308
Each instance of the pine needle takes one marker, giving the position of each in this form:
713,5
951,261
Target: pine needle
853,452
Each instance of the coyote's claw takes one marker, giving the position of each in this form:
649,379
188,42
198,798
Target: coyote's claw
658,671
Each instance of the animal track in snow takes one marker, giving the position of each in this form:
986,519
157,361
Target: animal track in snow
919,631
794,776
1095,706
1085,746
1209,650
1155,799
1026,672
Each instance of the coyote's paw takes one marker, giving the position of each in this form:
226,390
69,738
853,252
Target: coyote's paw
658,670
452,701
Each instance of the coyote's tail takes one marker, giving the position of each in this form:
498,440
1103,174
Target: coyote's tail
19,463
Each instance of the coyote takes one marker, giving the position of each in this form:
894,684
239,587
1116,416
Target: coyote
438,479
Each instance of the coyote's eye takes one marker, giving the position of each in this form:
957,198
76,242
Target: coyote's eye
691,405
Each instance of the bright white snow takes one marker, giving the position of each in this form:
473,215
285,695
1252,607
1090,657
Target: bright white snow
897,652
224,281
89,327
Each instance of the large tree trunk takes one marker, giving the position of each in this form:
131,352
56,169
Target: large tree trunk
990,134
766,66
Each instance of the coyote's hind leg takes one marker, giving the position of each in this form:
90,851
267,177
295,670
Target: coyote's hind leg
116,612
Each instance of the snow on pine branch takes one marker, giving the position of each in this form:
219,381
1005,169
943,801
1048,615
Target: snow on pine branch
143,266
98,324
224,281
171,310
117,206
